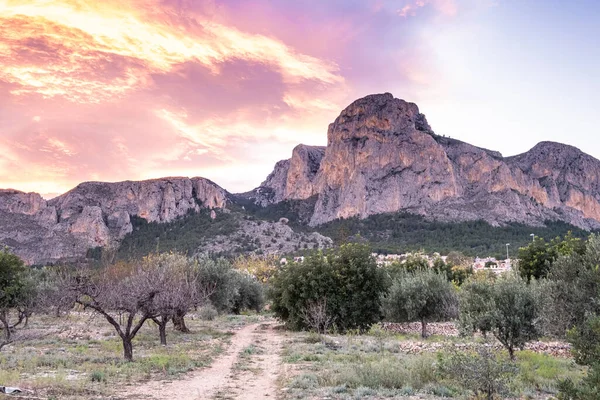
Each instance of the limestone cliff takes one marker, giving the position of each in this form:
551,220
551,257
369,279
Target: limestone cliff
96,214
382,156
291,179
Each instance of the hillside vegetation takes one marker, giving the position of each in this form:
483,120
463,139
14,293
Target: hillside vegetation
386,233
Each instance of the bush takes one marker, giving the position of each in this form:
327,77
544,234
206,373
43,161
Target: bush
476,306
233,290
481,371
348,279
249,294
208,313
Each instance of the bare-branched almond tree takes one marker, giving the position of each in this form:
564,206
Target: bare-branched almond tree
183,290
125,294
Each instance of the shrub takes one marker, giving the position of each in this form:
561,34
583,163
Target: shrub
249,294
208,313
481,371
222,278
348,279
586,350
98,376
233,290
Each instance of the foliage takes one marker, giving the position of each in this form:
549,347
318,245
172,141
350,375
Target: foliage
233,290
515,313
510,312
183,235
261,267
422,295
249,294
401,232
572,290
585,340
536,258
476,307
482,371
12,280
456,273
17,294
347,278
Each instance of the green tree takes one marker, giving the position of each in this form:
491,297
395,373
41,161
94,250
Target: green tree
232,290
537,257
346,281
576,279
423,296
16,290
571,292
510,312
476,307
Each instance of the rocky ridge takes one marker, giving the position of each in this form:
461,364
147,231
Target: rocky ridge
382,156
96,214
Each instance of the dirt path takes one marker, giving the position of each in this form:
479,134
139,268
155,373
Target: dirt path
248,370
258,366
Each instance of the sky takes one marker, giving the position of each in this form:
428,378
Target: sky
138,89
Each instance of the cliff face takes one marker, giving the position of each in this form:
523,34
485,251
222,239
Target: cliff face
382,156
291,179
96,214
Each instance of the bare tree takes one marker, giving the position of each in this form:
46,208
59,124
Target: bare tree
124,294
316,316
181,293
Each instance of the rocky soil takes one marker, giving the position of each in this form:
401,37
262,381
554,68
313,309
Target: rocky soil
265,237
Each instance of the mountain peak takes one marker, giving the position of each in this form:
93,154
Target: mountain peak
381,114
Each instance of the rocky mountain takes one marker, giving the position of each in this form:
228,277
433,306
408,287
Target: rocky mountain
96,214
382,156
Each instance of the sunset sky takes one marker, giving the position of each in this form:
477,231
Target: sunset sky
134,89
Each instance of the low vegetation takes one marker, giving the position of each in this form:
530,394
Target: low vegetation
341,308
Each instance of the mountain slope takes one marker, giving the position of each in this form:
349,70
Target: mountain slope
382,156
96,214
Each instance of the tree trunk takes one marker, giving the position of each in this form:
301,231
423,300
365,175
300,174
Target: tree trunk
179,322
511,353
127,349
5,326
423,329
162,328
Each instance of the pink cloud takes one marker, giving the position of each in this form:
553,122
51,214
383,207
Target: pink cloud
443,7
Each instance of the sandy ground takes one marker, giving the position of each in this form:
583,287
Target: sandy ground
224,379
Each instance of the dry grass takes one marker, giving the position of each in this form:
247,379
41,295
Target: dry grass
377,366
85,359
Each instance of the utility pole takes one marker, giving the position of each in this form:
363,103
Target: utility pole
532,237
507,256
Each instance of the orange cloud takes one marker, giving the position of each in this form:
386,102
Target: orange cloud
73,38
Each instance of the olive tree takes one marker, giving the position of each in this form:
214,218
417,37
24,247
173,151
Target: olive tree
420,296
476,307
510,312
